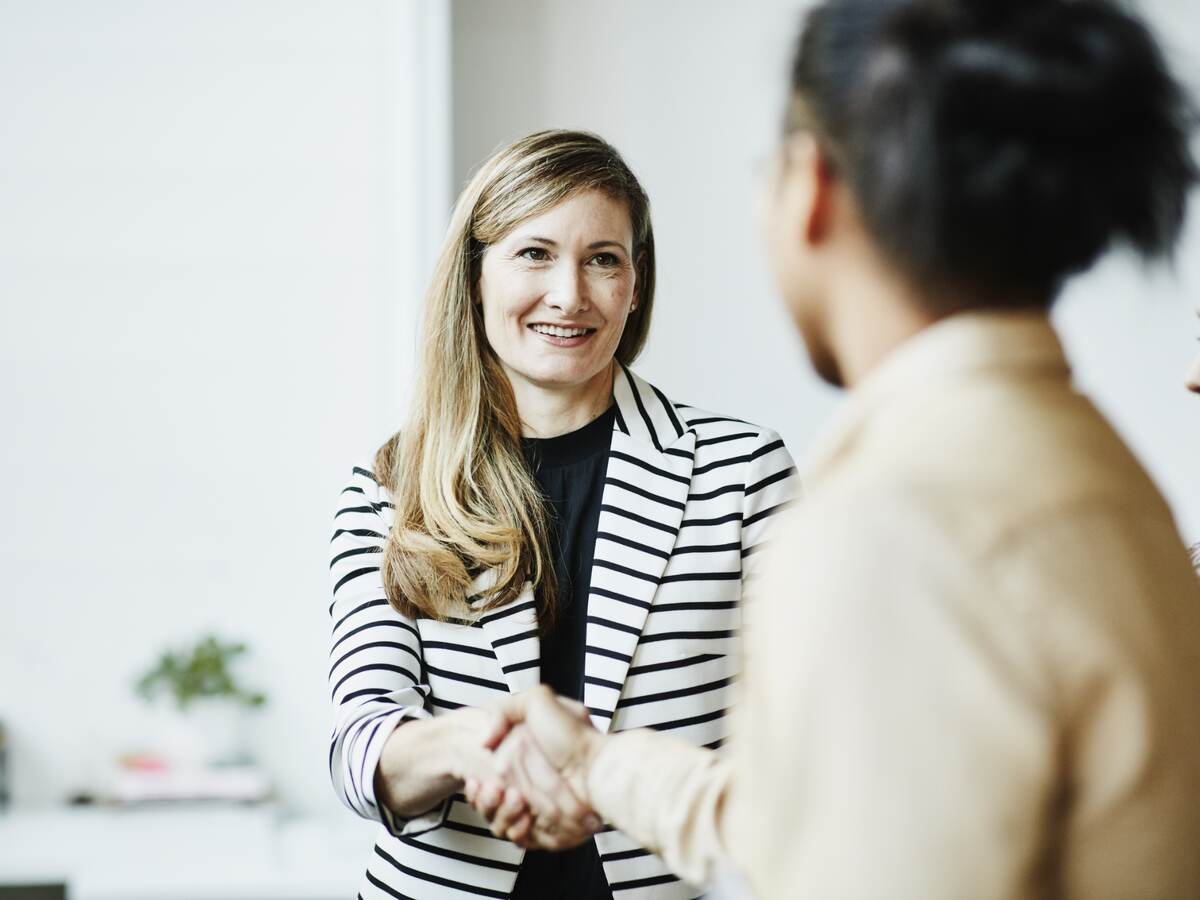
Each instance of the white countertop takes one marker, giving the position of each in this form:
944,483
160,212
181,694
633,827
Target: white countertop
184,853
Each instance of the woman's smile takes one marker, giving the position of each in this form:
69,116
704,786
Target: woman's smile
566,336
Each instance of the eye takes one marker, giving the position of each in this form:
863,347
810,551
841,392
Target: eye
607,260
534,254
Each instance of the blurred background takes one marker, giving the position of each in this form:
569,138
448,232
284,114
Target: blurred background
216,222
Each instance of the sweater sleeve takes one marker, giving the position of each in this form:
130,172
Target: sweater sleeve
376,673
668,795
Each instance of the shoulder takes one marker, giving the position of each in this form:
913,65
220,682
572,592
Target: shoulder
713,427
362,491
872,546
724,440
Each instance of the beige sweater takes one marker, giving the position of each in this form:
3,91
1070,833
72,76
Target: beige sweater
973,664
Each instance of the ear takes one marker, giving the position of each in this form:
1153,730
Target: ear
807,188
637,281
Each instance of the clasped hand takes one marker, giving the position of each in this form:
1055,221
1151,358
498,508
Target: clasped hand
532,787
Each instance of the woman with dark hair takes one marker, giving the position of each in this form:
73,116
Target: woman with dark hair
974,665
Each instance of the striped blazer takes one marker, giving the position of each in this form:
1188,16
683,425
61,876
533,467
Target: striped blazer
688,497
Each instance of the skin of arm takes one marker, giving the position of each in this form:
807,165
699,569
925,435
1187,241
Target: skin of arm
425,761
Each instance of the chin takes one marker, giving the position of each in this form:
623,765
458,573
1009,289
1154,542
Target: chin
803,310
828,369
821,356
561,376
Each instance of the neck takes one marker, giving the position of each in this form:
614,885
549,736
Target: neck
550,411
871,313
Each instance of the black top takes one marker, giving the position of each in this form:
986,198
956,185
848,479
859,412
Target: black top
570,469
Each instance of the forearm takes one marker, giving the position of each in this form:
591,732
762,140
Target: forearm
668,795
416,769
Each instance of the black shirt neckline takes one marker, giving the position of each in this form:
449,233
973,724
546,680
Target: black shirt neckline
575,446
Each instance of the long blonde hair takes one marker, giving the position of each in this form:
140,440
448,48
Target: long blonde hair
465,499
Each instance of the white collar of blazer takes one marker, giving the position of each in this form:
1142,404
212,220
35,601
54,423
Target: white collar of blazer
964,345
645,492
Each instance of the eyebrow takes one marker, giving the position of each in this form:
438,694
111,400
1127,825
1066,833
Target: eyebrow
595,245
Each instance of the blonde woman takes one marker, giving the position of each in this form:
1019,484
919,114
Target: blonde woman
544,516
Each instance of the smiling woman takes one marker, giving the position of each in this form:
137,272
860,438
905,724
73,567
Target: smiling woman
554,308
544,516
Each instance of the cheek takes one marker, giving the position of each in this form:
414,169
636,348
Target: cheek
612,297
504,301
781,261
493,320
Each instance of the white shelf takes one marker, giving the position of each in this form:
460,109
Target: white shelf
184,853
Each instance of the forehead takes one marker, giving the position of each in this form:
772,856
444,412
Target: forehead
591,214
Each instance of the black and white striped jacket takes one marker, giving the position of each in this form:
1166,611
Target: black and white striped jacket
688,497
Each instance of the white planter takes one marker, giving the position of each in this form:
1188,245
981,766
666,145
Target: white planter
209,732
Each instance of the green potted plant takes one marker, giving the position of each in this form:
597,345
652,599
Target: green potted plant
206,698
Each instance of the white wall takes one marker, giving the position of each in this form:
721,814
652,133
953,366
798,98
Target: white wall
689,91
214,220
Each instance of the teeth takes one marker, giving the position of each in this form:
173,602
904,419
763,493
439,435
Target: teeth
556,331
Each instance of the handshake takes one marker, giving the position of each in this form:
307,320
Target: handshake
533,789
522,764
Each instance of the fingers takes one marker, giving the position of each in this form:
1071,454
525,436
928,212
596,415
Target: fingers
544,794
513,706
471,789
561,819
496,727
521,833
547,782
487,800
511,808
517,786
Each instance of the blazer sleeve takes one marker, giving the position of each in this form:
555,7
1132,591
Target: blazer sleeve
771,486
376,667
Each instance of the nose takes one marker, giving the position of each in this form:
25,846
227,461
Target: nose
569,293
1193,376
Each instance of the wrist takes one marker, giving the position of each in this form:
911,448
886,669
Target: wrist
592,743
421,748
456,746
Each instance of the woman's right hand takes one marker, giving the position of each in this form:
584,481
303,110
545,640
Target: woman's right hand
424,761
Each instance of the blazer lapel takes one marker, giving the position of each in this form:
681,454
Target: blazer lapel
512,631
645,492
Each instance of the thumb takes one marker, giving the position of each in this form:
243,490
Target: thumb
556,725
497,728
513,709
